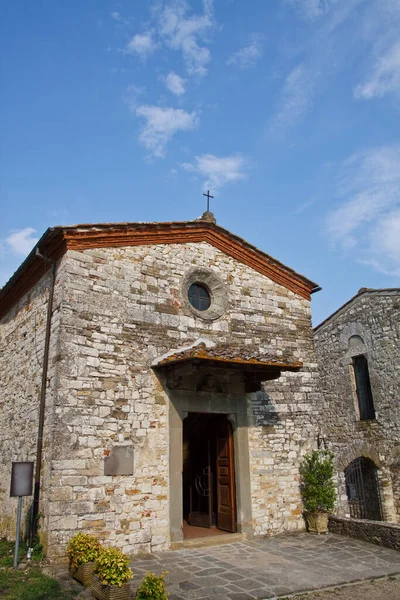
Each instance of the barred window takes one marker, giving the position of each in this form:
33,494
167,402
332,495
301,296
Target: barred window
362,487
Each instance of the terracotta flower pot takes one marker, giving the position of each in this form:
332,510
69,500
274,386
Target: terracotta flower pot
110,592
83,573
317,522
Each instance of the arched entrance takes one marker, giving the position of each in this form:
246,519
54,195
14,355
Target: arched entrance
362,490
208,474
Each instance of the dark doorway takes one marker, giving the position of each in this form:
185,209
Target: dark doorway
363,490
208,475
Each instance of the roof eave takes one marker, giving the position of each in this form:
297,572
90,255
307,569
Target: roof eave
51,245
56,240
366,292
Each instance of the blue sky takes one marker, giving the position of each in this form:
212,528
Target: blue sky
287,110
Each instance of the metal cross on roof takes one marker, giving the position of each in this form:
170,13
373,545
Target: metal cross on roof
208,196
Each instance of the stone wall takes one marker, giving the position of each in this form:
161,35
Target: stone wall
374,316
375,532
22,335
123,308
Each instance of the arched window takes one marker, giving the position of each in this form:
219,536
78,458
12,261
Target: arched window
363,388
362,490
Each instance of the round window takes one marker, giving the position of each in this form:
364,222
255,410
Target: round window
204,293
199,296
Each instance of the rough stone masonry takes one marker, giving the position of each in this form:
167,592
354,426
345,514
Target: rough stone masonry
367,325
118,307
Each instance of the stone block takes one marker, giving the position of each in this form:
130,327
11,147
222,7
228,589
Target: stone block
69,522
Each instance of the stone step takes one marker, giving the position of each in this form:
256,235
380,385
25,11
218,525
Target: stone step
212,540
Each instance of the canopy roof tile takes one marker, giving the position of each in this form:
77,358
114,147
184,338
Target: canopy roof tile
232,355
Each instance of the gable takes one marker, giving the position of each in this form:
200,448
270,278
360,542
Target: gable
56,241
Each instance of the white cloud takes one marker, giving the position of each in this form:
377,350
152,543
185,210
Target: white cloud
161,124
310,10
296,99
324,48
117,17
368,219
385,244
175,26
384,78
175,84
21,241
141,44
186,32
217,171
246,57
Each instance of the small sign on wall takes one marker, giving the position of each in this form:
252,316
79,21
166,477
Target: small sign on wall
21,479
120,461
21,485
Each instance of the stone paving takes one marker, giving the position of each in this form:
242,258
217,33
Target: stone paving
267,568
374,589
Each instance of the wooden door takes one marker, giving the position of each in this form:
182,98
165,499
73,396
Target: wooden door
226,513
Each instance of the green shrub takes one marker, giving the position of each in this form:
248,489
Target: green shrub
317,486
37,550
82,548
152,588
112,567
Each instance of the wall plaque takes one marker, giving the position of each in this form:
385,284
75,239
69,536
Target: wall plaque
120,461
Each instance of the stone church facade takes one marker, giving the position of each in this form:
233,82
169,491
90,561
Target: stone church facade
358,350
141,377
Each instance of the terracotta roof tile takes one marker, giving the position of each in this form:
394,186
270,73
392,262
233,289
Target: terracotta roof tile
58,240
232,354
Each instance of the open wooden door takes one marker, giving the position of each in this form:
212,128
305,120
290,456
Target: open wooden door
226,503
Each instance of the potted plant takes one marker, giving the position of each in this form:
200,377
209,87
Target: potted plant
152,588
317,489
83,550
111,575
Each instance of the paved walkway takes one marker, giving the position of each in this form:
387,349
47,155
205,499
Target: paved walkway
376,589
267,568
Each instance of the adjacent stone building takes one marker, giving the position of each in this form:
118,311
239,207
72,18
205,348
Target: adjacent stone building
173,365
358,350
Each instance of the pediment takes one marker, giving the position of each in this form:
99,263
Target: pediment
57,240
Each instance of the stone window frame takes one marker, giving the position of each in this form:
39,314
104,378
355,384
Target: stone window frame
354,351
216,288
366,406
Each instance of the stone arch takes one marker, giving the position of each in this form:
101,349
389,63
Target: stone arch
353,451
352,330
363,489
344,457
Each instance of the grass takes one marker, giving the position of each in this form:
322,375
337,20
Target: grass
7,550
30,584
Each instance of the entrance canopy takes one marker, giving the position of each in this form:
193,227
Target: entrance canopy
255,366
